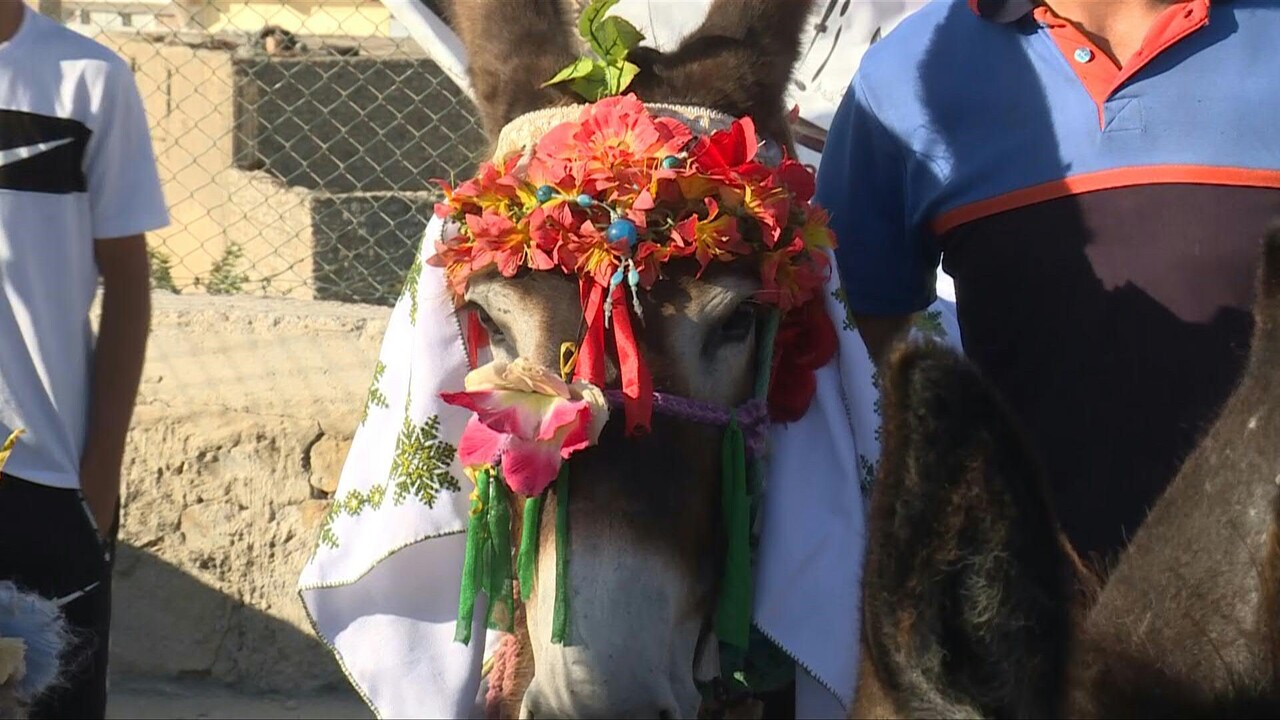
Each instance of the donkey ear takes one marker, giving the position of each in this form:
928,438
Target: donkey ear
738,61
968,586
513,46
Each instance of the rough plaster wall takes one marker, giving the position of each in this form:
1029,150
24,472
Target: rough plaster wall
244,417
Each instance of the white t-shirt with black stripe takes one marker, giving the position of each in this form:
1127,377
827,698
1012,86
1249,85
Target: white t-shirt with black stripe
76,164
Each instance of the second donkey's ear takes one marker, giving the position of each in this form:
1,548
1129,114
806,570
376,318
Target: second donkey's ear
969,587
513,47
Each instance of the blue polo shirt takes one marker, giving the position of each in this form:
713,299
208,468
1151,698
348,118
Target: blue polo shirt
1102,225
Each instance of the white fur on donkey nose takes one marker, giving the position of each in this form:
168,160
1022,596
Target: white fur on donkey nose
632,704
633,631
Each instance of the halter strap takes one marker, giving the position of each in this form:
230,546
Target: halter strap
752,416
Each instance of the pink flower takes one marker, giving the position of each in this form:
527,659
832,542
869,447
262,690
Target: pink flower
527,419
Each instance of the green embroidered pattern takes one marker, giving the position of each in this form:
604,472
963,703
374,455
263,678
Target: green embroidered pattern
420,469
421,464
929,322
843,299
868,472
376,397
875,404
411,287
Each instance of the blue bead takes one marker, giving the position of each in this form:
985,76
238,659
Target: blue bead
616,279
622,229
671,162
633,277
585,200
545,193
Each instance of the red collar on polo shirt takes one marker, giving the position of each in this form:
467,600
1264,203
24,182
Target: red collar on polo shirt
1100,75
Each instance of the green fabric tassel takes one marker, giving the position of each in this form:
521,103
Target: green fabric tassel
733,615
527,562
501,588
486,565
560,618
477,536
764,372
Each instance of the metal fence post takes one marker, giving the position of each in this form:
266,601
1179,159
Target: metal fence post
52,8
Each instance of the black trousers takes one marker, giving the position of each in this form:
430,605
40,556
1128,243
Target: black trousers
49,546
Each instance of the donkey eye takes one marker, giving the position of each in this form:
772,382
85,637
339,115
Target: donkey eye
496,335
738,326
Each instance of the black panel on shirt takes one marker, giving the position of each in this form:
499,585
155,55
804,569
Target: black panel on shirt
1116,323
57,170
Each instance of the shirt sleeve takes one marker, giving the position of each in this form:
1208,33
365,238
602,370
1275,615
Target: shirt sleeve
125,196
887,267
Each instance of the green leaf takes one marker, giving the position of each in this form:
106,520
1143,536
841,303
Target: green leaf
582,67
617,78
592,15
594,85
616,37
611,38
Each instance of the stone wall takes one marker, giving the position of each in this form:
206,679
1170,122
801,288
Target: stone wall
245,414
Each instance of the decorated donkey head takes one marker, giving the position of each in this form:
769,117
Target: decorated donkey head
647,273
974,605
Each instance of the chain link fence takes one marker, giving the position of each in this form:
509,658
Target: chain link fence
296,139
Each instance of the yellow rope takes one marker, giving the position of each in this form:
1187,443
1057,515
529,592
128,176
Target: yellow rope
8,446
568,359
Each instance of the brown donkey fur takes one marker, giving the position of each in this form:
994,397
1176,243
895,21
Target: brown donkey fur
738,61
975,606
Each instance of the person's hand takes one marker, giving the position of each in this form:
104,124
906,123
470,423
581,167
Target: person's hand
100,483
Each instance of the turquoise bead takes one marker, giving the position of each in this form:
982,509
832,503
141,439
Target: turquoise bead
545,193
671,162
622,229
585,200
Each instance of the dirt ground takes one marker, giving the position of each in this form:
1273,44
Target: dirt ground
146,699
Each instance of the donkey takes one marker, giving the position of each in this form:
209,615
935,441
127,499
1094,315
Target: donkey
975,606
646,539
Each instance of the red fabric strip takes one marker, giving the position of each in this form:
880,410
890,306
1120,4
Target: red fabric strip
476,339
637,385
590,366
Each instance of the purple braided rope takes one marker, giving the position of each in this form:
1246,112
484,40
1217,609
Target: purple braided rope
753,415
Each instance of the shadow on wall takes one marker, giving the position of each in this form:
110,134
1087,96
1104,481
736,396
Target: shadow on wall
168,624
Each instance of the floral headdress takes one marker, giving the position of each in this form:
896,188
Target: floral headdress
616,197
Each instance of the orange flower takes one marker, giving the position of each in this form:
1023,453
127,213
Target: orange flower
613,142
816,233
498,241
715,237
790,275
770,207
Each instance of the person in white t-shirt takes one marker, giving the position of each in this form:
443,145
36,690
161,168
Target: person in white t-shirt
78,190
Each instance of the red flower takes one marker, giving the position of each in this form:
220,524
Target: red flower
806,341
725,151
796,178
